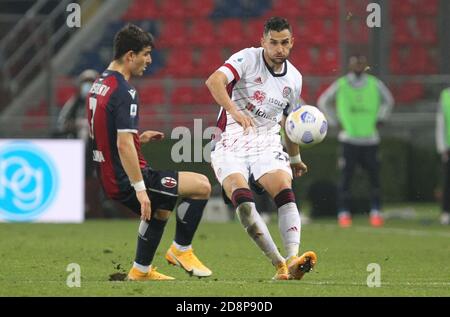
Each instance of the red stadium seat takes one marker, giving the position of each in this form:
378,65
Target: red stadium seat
230,33
173,9
320,8
410,60
328,63
301,59
356,8
408,92
202,33
199,8
209,60
141,10
151,95
182,96
285,8
255,29
357,32
427,29
404,8
202,96
64,92
402,33
427,7
180,63
173,34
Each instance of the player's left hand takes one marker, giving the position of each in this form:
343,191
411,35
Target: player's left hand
299,169
150,135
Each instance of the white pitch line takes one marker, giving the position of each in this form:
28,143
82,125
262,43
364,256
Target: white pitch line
402,231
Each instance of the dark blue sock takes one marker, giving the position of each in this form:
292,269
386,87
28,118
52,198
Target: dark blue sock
150,234
189,214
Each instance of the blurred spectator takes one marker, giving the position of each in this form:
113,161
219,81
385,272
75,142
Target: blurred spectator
443,148
72,124
362,102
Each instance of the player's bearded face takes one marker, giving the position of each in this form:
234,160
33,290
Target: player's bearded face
278,45
141,61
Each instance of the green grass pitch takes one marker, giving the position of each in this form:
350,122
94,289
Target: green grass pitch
414,258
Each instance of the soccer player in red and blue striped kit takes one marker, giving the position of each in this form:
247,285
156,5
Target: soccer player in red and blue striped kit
113,113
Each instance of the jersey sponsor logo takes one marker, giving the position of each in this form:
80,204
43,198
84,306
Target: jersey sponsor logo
286,91
133,110
169,182
99,89
132,92
276,102
259,112
259,96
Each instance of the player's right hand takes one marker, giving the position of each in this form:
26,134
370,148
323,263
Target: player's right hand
146,205
245,121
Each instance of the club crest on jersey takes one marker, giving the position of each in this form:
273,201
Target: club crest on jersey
169,182
286,91
259,96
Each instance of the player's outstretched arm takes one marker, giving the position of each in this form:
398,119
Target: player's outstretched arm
150,135
298,167
130,162
216,84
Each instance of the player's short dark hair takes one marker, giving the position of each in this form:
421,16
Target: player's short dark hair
131,38
276,24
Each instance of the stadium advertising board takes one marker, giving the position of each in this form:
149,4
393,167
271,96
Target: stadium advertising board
41,180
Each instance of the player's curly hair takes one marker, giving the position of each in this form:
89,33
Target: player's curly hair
276,24
131,38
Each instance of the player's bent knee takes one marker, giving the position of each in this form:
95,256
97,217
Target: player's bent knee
161,214
285,196
203,187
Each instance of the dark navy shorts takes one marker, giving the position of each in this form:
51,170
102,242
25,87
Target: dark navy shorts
162,189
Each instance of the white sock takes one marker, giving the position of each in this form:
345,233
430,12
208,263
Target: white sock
182,247
344,213
142,268
289,223
258,231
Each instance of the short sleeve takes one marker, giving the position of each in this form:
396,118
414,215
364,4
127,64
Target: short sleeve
126,111
234,68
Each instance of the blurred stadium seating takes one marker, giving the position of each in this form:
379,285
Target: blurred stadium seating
194,37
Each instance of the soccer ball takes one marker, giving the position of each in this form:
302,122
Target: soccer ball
306,126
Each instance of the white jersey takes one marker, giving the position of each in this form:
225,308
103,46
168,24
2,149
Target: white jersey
259,92
264,96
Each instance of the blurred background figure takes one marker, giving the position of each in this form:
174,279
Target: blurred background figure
72,122
443,148
358,103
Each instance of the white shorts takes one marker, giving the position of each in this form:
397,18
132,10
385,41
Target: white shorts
227,160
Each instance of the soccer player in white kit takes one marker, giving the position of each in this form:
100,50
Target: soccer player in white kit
257,88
